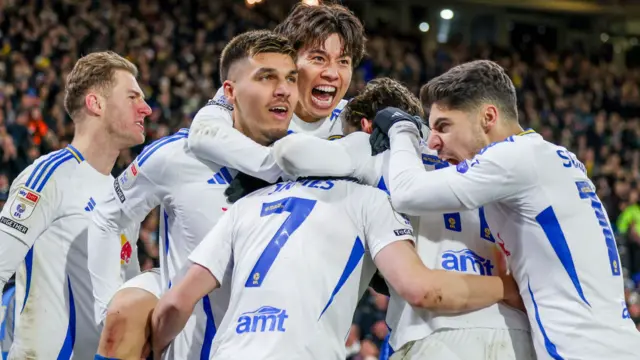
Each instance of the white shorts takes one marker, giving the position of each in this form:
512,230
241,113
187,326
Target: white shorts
470,344
149,280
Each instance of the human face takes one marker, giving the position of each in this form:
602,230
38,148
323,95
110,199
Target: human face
125,110
456,135
325,75
264,92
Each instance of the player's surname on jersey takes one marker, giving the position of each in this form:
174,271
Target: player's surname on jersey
314,204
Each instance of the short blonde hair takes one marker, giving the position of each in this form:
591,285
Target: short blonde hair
93,71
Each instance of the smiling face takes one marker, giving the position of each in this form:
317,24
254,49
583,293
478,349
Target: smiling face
325,75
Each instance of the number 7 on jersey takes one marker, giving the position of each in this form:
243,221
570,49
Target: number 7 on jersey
298,210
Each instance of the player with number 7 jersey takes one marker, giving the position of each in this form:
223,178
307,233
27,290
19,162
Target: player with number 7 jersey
300,252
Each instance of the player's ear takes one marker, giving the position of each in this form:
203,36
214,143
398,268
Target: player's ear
366,125
489,117
229,91
94,103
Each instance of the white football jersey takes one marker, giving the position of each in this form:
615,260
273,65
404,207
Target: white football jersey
454,241
544,213
44,226
213,138
300,251
191,195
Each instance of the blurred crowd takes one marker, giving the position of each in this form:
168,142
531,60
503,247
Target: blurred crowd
580,101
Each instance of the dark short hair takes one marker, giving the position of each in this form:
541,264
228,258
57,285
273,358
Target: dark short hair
252,43
377,95
467,86
311,25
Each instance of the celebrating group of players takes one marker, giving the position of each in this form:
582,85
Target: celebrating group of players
496,246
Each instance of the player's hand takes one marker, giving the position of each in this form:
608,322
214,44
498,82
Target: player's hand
383,121
512,293
243,185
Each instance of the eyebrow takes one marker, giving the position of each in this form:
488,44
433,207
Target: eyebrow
137,93
266,70
323,52
438,122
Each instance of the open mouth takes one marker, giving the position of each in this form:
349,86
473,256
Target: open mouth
140,125
279,111
323,95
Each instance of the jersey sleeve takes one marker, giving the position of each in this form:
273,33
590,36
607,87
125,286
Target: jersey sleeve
382,224
215,252
133,196
33,204
212,138
498,172
302,155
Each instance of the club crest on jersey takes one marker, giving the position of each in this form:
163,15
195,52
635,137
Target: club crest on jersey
128,176
24,203
125,250
335,137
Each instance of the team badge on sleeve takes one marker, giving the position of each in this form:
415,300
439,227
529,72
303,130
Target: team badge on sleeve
24,203
128,176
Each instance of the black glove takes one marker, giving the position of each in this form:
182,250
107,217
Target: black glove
379,284
383,121
243,185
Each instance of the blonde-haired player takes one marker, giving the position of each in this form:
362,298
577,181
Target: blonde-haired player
44,224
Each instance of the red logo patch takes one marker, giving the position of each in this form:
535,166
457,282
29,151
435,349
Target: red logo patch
125,250
502,246
32,197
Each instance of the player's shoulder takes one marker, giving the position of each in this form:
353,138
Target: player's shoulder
164,150
513,146
335,114
44,171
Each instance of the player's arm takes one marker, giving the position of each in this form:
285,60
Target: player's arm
439,290
210,260
302,155
132,197
212,138
33,204
390,240
175,307
500,172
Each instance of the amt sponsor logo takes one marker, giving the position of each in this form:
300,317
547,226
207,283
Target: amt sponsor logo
466,261
265,319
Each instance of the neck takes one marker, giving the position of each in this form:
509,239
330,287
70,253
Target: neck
255,136
503,132
96,147
303,115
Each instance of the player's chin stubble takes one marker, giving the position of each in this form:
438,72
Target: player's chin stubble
273,135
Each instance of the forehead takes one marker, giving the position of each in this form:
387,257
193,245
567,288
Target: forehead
280,62
126,80
332,45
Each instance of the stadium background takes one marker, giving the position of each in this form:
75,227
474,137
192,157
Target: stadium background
575,65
